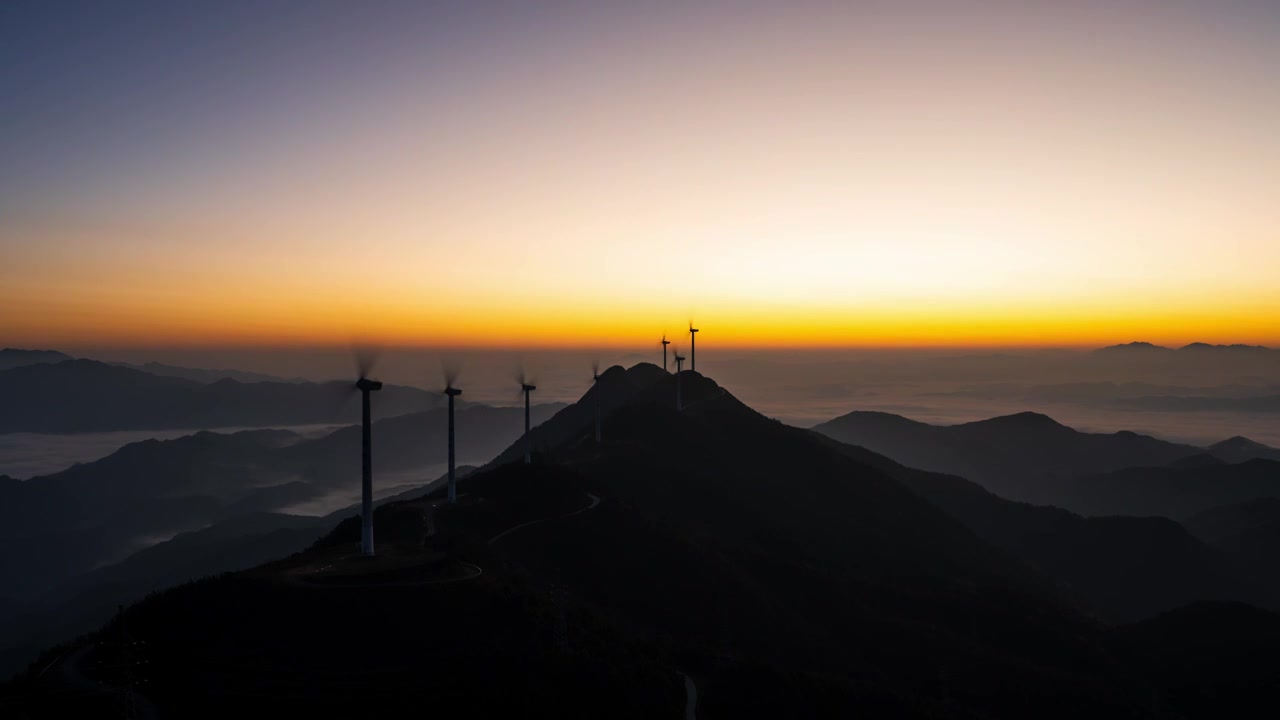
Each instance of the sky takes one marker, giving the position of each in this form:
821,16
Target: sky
559,174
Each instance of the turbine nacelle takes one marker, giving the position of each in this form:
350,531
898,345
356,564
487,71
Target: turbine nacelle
528,388
367,385
452,391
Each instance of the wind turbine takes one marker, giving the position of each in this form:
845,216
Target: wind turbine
665,343
679,369
366,386
595,385
693,351
451,376
526,387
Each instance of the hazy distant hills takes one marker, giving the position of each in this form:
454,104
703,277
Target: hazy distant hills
14,357
1196,347
1032,458
205,375
1013,456
785,573
85,395
57,532
101,511
1195,362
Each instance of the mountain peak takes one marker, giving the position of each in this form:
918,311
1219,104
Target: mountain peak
1022,420
1238,441
1137,345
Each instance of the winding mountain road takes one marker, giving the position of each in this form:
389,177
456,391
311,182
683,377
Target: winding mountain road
690,698
594,502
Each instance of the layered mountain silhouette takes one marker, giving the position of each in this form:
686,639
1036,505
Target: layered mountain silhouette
1249,529
1016,456
62,532
1177,492
1119,568
15,357
1143,347
86,395
1240,449
204,375
776,571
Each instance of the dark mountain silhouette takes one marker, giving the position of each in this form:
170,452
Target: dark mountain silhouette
1194,364
1195,347
1120,568
1175,492
1236,348
1133,347
1209,660
1205,459
785,574
83,603
1017,456
1249,530
14,357
85,395
1251,527
1240,449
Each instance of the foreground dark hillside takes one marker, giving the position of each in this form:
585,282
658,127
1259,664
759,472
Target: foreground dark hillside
782,574
67,540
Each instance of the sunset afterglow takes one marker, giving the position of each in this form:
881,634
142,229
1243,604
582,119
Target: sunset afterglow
913,174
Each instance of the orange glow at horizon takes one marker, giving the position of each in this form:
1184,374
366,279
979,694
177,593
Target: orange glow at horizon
823,177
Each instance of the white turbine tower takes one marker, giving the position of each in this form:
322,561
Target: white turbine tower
527,387
450,377
693,351
679,369
366,386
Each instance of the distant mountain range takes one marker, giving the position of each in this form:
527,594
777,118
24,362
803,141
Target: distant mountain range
1032,458
205,375
1013,456
14,357
1193,347
86,395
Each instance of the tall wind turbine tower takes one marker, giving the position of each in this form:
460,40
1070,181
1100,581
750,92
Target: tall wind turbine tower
527,388
679,368
452,392
366,386
665,343
693,352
